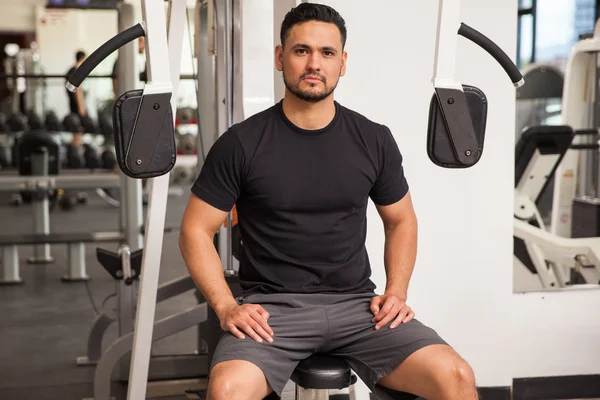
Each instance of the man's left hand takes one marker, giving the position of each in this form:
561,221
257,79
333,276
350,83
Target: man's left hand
388,307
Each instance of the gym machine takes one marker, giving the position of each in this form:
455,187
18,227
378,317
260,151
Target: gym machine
567,252
144,140
556,260
575,190
141,119
540,101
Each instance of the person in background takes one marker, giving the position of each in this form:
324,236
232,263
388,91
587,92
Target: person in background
76,100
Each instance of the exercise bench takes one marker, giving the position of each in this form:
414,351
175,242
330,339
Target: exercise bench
75,269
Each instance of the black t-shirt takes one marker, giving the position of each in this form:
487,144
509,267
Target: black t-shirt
301,197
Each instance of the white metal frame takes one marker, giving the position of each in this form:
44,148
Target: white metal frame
575,105
542,246
162,77
444,63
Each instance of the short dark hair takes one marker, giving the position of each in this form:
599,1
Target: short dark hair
305,12
80,55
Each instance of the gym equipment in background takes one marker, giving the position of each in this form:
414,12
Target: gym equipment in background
557,261
537,154
40,179
539,104
458,113
142,119
576,198
145,143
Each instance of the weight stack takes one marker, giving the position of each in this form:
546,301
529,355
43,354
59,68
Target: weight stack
586,218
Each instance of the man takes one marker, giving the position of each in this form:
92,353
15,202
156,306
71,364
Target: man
300,174
76,100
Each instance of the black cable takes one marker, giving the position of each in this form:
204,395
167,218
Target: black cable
89,292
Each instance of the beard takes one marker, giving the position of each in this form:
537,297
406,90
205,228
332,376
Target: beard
313,94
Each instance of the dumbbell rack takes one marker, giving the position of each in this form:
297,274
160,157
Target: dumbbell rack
40,184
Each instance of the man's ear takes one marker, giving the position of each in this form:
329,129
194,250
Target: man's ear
279,58
344,59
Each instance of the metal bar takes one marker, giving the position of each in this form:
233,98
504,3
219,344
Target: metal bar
130,200
229,110
62,76
41,208
91,181
164,61
123,345
206,82
76,263
445,47
9,274
94,343
533,41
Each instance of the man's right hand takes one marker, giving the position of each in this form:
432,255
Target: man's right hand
248,318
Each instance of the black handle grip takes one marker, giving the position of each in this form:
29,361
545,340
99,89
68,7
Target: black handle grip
587,132
584,146
86,67
495,51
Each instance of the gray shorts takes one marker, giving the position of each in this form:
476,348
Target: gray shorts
335,324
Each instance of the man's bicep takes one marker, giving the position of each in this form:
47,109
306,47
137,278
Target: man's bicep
220,180
201,216
391,184
398,212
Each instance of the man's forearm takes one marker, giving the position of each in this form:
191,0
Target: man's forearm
204,265
400,254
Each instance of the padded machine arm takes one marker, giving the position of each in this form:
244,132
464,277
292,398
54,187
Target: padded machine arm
453,140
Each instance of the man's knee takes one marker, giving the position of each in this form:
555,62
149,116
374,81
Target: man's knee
237,380
462,373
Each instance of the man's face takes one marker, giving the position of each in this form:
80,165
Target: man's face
312,60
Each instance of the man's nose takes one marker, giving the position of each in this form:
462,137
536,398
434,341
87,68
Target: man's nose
314,62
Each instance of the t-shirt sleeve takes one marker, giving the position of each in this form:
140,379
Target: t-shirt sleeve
220,180
391,185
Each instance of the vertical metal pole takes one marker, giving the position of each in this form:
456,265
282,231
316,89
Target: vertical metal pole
131,189
131,212
207,132
41,211
163,60
445,46
228,104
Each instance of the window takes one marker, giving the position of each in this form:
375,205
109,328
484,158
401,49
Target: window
547,30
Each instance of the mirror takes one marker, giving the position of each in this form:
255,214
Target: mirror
557,180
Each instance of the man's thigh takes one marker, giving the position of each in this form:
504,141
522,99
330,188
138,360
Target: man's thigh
294,340
373,353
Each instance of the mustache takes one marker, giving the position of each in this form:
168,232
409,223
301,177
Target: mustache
313,75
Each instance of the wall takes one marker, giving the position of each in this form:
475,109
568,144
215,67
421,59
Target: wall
257,55
60,34
18,16
462,284
556,333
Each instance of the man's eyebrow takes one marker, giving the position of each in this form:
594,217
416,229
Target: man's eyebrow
305,46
